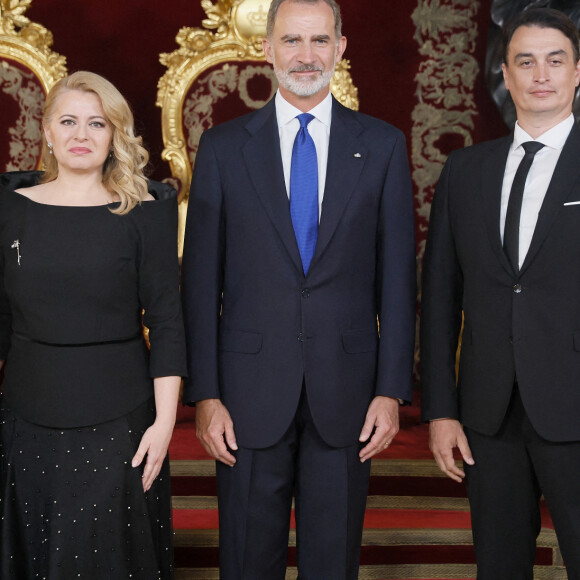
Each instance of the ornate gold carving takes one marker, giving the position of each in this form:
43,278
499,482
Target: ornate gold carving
258,17
238,29
342,87
446,33
12,15
27,43
250,19
218,15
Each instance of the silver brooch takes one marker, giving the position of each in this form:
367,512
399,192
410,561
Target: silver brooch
16,245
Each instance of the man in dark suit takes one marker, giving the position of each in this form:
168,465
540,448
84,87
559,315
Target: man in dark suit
300,233
504,250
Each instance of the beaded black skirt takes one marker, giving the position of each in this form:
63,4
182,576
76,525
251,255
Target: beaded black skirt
72,506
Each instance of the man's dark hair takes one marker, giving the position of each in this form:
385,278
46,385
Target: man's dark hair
273,12
543,18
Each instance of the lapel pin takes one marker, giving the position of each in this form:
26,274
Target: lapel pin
358,155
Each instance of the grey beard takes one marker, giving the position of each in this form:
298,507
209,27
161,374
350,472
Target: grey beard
303,88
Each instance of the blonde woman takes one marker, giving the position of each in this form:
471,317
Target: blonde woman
87,410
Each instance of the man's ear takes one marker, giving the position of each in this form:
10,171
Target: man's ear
340,48
505,76
267,47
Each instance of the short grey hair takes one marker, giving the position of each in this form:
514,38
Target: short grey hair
273,12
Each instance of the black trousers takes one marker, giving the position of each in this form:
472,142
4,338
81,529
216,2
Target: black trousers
512,470
330,486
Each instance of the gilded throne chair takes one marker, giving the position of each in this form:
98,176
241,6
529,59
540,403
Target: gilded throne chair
219,72
28,69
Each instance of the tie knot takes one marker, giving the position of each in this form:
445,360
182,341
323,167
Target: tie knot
304,119
532,147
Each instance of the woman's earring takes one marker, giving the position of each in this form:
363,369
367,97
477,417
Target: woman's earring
49,148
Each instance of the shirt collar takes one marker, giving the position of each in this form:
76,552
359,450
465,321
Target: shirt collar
554,137
285,112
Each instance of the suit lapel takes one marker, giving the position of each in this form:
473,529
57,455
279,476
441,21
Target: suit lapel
346,159
492,173
565,175
264,162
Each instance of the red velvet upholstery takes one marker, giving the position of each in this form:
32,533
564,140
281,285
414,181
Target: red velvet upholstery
21,101
223,92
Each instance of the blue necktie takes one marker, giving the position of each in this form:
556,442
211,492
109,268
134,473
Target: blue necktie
304,191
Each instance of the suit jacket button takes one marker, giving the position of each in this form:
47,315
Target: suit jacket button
300,337
306,293
518,288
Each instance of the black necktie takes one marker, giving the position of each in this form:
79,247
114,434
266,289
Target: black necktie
511,234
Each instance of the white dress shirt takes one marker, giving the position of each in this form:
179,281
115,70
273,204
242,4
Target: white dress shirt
538,178
319,129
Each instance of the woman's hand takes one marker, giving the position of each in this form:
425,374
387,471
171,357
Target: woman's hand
154,444
155,440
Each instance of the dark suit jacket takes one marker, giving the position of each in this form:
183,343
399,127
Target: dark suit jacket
278,327
525,326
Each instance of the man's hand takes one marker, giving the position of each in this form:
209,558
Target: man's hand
383,417
214,428
444,436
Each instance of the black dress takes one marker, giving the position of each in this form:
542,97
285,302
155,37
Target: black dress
78,389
